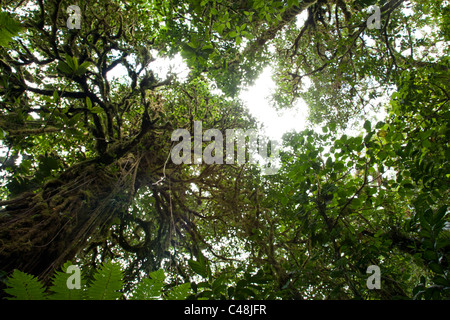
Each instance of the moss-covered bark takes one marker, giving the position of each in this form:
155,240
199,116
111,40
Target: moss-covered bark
42,230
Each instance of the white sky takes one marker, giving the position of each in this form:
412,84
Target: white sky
257,97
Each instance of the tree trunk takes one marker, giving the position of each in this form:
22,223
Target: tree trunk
42,230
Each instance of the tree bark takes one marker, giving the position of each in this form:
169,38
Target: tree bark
41,230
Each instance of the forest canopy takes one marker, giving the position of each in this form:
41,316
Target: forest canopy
87,179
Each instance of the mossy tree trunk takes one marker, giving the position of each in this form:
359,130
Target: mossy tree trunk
41,230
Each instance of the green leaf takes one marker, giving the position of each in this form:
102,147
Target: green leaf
107,283
75,64
88,103
332,126
207,47
441,281
192,45
218,283
64,68
408,185
436,267
426,144
158,275
148,289
198,268
9,28
74,120
179,292
425,218
204,284
220,28
440,214
59,288
442,243
83,68
70,62
430,255
97,110
23,286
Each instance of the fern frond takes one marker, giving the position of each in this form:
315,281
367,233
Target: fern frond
158,275
106,283
148,289
23,286
180,292
59,288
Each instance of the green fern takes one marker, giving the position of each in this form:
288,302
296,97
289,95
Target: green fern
107,283
180,292
59,289
23,286
150,288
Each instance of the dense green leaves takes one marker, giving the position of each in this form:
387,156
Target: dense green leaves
59,289
106,284
86,118
433,243
150,288
23,286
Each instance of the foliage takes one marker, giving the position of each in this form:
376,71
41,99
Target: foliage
433,242
106,284
9,28
86,118
25,287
